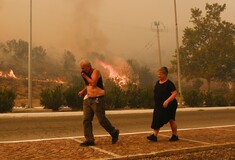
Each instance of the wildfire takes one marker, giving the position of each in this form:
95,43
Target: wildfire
50,80
12,75
8,75
121,80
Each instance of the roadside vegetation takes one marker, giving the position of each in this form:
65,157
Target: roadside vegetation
7,97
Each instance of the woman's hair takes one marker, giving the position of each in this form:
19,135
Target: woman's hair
164,70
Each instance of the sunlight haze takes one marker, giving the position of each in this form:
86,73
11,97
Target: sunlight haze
114,28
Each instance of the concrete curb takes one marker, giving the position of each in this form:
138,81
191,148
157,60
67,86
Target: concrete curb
109,112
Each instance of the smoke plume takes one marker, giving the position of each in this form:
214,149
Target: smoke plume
89,36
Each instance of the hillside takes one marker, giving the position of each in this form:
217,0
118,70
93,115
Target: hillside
21,88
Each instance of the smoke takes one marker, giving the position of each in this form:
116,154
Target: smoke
92,41
1,4
89,36
72,25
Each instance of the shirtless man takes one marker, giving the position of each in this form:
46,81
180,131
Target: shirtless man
94,104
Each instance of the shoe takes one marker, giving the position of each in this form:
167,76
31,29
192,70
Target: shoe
87,143
115,136
174,138
152,137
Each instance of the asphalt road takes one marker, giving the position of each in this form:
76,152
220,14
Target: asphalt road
27,128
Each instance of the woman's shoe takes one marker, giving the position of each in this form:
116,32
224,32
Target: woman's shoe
152,137
174,138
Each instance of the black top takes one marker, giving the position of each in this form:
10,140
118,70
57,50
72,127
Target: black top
162,92
99,82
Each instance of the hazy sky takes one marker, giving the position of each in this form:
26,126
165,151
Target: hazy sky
115,28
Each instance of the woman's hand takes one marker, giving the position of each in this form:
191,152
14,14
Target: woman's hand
171,98
165,104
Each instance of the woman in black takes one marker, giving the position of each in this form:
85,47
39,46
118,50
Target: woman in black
165,105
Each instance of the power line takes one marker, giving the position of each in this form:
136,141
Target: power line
157,24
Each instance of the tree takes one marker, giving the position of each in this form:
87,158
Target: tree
69,65
208,49
141,74
69,61
15,56
146,78
38,54
39,61
18,49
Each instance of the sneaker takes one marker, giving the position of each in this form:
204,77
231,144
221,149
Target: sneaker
152,137
174,138
87,143
115,136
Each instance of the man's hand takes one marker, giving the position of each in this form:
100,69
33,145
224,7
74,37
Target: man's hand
83,74
80,94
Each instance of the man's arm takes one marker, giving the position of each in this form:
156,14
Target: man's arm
82,92
94,77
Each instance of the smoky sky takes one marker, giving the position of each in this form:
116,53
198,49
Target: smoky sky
115,29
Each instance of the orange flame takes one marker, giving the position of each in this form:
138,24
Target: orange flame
121,80
12,75
8,75
50,80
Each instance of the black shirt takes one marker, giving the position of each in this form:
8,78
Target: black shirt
99,82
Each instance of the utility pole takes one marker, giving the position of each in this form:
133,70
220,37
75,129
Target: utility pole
30,58
178,58
158,40
157,24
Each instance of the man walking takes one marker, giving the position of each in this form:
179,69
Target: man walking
94,103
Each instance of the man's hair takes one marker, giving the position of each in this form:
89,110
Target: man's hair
164,70
85,62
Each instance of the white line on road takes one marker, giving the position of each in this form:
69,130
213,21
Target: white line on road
190,140
98,149
132,133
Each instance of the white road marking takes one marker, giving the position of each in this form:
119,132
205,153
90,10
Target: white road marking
190,140
38,140
132,133
99,149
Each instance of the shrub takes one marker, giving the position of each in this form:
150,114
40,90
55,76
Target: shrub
52,98
193,98
71,98
221,100
139,97
209,99
147,97
114,95
231,98
196,84
7,98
